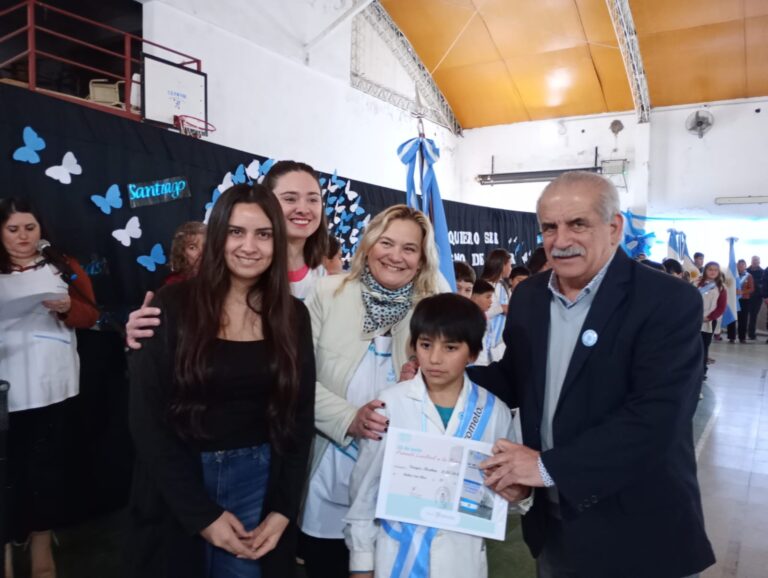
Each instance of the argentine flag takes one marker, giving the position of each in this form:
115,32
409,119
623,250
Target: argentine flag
678,249
731,274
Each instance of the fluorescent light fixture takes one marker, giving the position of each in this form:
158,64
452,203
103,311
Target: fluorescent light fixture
758,200
529,176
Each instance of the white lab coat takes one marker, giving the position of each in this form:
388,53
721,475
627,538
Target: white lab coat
38,352
452,554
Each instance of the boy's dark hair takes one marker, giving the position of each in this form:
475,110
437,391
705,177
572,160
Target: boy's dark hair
673,266
482,286
519,271
698,254
450,317
463,272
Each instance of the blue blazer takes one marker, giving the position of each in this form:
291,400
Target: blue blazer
623,459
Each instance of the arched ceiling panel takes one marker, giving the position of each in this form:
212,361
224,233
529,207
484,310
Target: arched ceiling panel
503,61
699,64
482,95
757,55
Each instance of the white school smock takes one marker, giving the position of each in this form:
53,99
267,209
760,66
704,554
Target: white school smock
328,493
38,352
493,342
452,554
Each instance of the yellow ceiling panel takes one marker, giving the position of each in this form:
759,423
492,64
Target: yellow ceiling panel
473,47
757,56
653,16
596,21
430,25
562,83
695,65
481,95
520,27
755,8
613,78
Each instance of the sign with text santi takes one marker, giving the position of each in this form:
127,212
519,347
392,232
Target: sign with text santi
156,192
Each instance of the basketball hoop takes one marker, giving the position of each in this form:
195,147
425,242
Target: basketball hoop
193,126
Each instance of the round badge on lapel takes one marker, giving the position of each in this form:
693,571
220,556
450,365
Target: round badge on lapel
589,337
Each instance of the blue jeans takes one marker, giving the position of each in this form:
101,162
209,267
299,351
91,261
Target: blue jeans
237,481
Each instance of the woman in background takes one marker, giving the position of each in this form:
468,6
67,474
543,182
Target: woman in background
38,356
332,261
186,248
715,297
221,406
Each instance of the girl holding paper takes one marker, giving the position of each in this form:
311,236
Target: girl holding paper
38,356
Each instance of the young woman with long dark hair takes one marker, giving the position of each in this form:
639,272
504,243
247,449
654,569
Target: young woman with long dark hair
222,404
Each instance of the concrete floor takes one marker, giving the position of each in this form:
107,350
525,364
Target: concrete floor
733,460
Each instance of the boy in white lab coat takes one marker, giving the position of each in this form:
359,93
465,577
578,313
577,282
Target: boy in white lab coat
447,334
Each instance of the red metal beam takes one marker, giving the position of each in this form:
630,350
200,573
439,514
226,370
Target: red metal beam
32,67
85,66
84,43
14,59
12,34
12,8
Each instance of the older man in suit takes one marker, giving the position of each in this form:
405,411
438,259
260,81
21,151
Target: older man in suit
604,360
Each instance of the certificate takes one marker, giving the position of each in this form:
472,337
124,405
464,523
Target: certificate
434,480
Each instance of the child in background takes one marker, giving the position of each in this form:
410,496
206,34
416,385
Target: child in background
517,276
482,295
465,278
332,259
446,332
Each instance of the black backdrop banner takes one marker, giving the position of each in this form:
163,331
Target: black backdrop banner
77,163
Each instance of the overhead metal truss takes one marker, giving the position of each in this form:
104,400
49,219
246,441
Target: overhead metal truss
431,104
624,26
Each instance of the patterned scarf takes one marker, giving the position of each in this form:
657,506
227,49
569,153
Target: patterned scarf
383,307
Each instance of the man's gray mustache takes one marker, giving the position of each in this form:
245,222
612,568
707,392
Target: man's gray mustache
569,252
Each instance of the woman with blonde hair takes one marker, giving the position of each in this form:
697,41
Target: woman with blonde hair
361,337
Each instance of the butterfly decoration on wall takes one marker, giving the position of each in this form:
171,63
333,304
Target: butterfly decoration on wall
132,231
33,144
111,200
256,171
63,172
346,216
156,257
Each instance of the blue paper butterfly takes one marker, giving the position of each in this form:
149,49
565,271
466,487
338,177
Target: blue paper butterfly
341,183
156,257
264,168
214,197
32,144
239,177
111,200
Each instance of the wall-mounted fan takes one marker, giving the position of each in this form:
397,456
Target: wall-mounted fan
699,122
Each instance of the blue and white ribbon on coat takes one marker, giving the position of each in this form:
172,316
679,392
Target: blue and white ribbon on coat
431,202
412,560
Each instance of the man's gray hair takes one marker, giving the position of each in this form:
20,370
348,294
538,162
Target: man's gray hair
608,203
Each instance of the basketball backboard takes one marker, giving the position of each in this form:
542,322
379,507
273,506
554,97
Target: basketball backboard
170,90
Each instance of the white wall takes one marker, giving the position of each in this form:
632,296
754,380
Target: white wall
730,160
551,144
263,98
